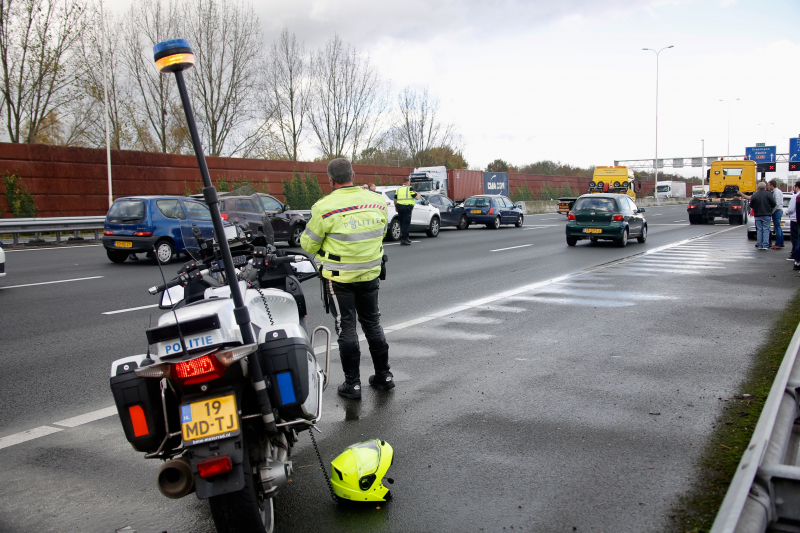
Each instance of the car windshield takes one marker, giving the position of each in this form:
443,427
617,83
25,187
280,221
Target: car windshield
127,210
477,202
595,204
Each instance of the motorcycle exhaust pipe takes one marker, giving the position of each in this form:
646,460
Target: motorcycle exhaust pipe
175,479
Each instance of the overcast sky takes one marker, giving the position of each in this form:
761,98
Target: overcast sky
568,80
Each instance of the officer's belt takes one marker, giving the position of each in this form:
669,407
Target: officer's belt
332,257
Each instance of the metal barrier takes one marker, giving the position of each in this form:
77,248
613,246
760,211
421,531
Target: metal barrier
765,491
37,226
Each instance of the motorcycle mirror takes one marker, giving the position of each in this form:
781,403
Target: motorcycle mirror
196,232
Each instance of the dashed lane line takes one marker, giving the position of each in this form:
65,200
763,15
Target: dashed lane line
131,309
49,282
511,248
105,412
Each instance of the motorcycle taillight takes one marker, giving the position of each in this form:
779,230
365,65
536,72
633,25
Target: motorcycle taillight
198,370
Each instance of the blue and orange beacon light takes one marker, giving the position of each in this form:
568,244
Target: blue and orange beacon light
174,55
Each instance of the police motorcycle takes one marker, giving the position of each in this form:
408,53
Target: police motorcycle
192,403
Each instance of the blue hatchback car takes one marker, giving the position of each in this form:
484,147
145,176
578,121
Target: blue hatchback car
136,224
492,210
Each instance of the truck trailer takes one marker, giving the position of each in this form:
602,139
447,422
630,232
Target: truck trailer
671,189
725,180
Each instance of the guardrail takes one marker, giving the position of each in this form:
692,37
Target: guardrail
765,491
37,226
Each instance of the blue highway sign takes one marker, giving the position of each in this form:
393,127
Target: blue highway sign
761,154
794,149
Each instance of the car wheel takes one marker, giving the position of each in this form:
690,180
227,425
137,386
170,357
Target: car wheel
695,219
164,252
116,256
294,235
463,224
751,236
643,237
622,242
495,224
394,230
433,228
572,241
519,222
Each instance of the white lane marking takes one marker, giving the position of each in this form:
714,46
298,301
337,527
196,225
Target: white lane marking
49,282
511,248
396,243
54,248
46,430
19,438
658,214
79,420
541,225
131,309
686,224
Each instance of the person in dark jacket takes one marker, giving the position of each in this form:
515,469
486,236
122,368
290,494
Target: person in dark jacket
762,202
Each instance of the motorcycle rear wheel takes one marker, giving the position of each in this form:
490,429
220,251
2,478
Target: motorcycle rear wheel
246,510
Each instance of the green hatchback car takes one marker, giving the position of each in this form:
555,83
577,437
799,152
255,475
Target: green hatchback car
614,217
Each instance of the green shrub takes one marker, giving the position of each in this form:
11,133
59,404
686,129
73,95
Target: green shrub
301,192
19,200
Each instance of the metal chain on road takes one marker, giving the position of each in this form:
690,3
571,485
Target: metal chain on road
322,464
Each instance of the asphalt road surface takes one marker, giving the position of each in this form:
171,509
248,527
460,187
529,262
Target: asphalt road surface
539,387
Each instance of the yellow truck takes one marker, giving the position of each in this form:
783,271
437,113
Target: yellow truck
618,180
725,180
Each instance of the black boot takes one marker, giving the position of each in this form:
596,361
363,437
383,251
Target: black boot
382,379
351,388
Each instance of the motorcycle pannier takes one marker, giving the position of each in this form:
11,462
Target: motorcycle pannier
291,367
139,406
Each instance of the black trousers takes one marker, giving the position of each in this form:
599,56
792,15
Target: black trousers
793,234
404,212
357,301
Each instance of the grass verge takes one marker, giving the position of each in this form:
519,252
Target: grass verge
696,510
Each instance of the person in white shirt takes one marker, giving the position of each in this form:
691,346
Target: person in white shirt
777,213
791,212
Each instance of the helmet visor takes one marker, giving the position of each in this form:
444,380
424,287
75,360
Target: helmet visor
367,458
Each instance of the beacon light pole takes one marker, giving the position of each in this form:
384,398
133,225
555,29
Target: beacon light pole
176,56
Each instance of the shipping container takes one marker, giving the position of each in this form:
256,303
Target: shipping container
461,184
495,183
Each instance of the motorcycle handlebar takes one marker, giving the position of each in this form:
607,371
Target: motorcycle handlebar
180,280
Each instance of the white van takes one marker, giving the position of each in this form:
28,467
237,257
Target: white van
424,217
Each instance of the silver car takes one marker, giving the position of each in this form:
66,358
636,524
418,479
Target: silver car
751,222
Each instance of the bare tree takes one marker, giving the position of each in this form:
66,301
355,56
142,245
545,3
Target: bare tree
421,129
227,42
348,101
158,124
88,121
37,41
287,84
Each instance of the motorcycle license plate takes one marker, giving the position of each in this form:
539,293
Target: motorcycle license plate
476,211
123,244
210,419
592,230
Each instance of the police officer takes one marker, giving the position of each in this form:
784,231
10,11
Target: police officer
346,230
404,202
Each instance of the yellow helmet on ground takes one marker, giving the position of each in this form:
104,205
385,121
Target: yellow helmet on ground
358,473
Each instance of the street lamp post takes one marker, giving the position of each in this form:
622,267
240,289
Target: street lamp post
729,122
655,162
766,125
175,56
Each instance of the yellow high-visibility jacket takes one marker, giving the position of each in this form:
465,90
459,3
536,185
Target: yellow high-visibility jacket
405,196
346,230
